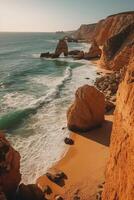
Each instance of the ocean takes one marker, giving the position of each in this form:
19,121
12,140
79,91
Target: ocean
35,94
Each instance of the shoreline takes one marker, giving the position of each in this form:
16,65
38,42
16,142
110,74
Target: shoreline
72,157
78,163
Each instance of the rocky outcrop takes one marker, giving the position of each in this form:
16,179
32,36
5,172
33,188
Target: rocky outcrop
85,32
87,111
94,51
9,168
108,84
120,170
61,48
111,26
117,50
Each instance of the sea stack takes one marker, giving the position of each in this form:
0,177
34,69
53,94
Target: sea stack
61,48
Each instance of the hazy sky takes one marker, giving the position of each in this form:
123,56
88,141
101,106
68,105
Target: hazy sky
53,15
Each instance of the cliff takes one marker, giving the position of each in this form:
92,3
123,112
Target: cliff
111,26
120,170
116,50
85,32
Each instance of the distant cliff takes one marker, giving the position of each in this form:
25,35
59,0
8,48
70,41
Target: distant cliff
85,32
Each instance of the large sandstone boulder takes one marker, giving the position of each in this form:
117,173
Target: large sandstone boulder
10,176
87,111
61,48
94,51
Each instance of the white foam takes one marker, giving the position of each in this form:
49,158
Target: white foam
41,145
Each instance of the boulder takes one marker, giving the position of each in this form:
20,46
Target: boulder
87,111
61,48
55,175
79,56
29,192
68,141
94,51
10,176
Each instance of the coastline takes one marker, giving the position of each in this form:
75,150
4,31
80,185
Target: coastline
77,162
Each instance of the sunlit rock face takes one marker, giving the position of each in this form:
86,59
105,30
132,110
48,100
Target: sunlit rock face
111,26
87,111
117,50
120,169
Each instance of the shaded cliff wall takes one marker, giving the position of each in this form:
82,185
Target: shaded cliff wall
120,169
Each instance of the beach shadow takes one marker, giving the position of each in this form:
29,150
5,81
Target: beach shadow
101,134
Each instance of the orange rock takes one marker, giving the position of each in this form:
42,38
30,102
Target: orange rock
111,26
10,176
116,51
94,51
120,169
87,111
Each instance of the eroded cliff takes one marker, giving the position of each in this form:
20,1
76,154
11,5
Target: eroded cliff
111,26
120,169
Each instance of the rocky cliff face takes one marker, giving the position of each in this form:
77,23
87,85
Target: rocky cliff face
85,32
111,26
116,51
120,170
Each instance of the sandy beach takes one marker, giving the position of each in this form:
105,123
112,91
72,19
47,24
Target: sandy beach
84,164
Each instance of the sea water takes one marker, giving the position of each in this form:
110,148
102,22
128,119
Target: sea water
35,94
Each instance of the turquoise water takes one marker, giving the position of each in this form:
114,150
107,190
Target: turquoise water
34,96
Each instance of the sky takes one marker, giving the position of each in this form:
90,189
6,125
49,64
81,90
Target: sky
56,15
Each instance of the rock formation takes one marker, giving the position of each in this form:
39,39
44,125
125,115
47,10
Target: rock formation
9,168
94,51
61,48
120,170
87,111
